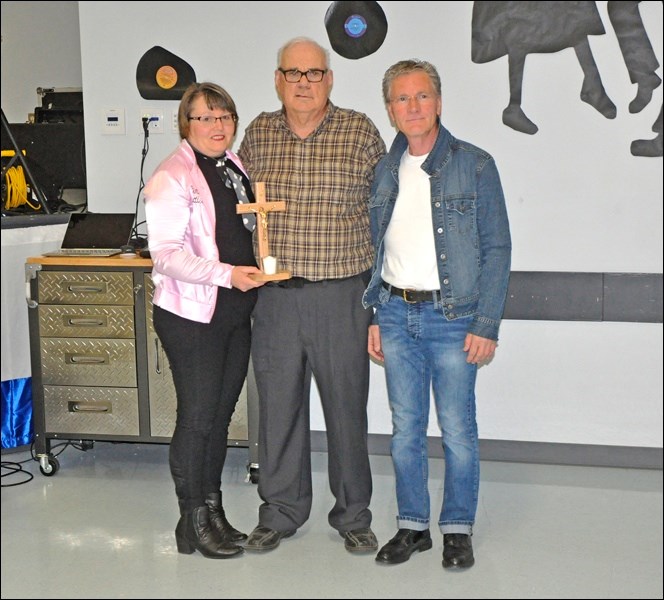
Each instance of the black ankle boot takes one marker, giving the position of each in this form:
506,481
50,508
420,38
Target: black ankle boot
220,522
195,532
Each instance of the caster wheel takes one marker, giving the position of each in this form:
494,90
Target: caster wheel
52,468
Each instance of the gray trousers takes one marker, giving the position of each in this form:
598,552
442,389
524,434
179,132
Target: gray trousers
320,329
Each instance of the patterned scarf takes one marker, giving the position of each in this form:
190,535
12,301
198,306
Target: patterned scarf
233,181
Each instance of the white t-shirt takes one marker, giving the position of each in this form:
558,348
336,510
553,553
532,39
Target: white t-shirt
410,252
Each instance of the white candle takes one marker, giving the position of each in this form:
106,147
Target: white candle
269,265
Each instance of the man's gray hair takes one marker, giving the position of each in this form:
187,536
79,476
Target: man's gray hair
404,67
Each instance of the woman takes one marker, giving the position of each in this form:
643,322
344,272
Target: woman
204,295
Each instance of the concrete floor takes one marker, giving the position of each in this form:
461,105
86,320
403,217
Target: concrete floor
102,527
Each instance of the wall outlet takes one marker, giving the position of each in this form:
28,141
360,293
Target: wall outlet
174,124
155,120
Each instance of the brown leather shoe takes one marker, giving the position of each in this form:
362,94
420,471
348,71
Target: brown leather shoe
457,551
403,544
360,540
264,538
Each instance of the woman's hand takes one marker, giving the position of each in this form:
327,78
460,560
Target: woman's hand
240,278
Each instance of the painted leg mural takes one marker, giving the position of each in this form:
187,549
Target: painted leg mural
641,64
517,29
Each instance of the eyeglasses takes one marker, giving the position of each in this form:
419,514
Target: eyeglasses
403,100
209,120
295,75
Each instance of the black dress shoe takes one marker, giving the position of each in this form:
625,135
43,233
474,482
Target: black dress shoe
457,551
403,544
264,538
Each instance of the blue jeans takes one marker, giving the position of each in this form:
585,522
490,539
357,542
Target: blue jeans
423,350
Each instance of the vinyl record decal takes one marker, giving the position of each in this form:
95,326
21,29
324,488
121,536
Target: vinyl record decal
355,29
161,75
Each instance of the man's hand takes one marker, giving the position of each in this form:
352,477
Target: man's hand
374,347
479,349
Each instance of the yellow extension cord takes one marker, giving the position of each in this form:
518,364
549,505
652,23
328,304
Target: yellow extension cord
17,189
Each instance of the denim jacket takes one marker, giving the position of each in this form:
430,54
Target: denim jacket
470,226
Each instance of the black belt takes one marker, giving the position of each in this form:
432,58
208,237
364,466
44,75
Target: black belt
299,282
413,296
292,283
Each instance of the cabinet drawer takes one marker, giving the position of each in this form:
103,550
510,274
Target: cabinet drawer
68,287
86,321
91,410
98,362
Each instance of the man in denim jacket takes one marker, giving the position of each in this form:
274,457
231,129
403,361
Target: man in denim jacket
439,282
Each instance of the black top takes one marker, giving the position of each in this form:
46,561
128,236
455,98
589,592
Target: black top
234,240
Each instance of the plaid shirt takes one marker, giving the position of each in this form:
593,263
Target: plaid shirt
325,181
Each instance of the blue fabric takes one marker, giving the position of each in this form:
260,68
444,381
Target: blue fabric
424,350
470,227
17,429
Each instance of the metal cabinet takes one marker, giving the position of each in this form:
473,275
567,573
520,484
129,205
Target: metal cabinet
162,390
98,369
87,349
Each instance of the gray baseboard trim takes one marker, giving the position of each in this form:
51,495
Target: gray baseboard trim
563,296
586,455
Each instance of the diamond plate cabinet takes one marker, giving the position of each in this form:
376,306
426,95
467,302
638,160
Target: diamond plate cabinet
162,389
98,369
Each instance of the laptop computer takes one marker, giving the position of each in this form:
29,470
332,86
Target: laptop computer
95,234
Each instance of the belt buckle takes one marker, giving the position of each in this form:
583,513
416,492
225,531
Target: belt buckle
404,295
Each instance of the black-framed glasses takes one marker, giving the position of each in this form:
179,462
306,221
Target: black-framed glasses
295,75
209,120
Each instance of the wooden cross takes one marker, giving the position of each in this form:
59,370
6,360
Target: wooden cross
261,208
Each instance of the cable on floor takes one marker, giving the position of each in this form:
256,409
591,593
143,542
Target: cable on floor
12,468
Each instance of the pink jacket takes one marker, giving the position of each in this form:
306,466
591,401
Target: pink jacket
181,225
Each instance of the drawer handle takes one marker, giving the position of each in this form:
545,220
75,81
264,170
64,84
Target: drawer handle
157,362
75,288
77,359
99,407
85,322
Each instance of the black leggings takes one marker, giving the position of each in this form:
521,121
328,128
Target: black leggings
209,363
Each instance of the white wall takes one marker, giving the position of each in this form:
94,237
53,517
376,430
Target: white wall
577,199
40,48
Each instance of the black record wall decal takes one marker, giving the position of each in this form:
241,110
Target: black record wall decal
355,29
161,75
